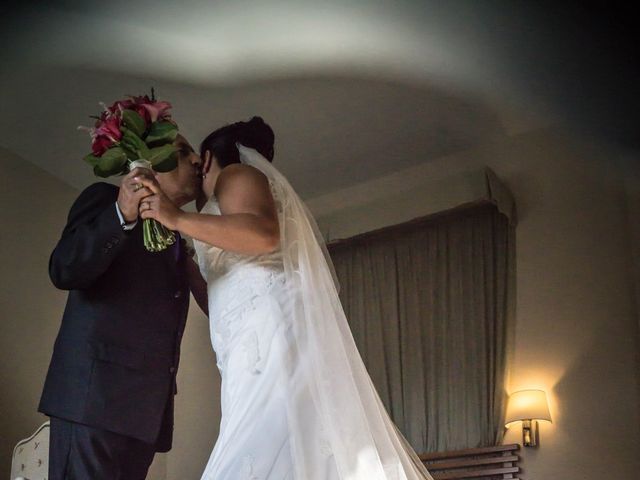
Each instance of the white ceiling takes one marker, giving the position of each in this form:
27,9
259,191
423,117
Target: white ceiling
353,90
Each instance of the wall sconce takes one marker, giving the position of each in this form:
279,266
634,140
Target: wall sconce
528,406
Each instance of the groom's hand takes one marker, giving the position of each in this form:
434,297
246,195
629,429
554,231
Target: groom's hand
132,191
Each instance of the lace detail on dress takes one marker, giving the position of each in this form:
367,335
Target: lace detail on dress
247,468
238,285
324,444
252,351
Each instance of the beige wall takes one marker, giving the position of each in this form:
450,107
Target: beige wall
631,165
33,210
576,332
631,169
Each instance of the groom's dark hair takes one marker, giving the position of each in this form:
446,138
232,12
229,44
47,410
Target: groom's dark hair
254,134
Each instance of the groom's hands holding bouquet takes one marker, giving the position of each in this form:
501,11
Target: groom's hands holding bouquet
132,192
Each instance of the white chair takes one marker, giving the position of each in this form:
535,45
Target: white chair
30,459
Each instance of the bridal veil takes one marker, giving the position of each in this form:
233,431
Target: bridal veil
333,407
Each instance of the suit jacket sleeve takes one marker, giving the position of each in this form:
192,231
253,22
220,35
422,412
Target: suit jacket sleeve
91,240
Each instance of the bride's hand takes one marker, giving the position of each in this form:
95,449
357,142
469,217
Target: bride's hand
158,206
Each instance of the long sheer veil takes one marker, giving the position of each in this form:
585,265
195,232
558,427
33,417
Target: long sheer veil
327,372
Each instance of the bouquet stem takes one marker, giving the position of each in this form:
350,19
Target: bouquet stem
156,236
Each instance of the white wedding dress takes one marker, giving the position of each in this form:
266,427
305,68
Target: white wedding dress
297,402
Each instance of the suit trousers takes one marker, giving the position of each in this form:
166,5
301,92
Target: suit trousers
80,452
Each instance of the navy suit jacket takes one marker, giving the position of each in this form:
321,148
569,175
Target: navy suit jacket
116,355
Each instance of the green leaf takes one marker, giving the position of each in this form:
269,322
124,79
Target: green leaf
110,163
167,165
134,122
91,159
164,158
131,155
133,143
161,132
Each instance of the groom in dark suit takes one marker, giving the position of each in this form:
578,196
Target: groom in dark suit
112,378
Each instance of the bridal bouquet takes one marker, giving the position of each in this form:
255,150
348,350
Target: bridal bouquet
135,132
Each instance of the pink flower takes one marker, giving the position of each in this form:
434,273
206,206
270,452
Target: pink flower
157,110
148,109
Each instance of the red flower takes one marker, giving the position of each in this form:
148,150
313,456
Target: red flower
101,145
110,127
106,133
134,103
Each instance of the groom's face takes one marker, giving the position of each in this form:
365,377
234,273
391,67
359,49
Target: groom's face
183,183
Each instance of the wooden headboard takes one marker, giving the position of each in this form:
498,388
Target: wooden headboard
499,462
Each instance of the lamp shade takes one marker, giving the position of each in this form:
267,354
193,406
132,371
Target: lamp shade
527,405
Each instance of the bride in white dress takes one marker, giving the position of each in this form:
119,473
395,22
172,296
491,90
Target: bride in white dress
297,402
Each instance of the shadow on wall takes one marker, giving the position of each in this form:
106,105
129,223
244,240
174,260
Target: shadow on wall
34,210
571,440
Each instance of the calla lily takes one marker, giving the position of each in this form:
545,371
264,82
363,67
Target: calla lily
157,110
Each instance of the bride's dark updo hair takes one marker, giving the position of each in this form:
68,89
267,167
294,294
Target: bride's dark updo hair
254,134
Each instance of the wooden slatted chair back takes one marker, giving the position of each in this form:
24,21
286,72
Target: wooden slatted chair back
489,463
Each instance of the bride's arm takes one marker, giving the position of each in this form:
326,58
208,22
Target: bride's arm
248,222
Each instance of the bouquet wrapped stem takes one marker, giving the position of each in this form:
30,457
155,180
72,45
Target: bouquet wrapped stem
156,236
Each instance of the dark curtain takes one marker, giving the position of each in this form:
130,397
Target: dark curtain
430,304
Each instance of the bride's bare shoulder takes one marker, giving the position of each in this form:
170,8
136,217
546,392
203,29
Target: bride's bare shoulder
240,173
239,181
